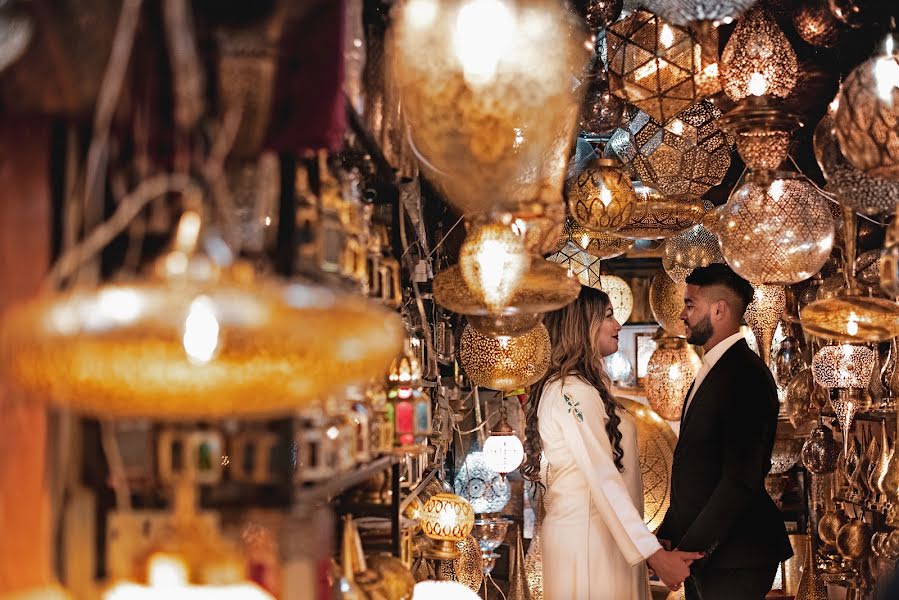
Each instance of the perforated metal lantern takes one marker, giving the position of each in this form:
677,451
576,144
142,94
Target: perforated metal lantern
684,156
505,363
666,300
758,60
695,247
816,25
620,295
690,12
482,486
600,245
446,519
580,264
764,314
659,67
486,95
776,229
854,188
671,370
494,261
867,119
656,216
602,197
848,317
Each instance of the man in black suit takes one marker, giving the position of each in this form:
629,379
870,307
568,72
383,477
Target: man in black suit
719,505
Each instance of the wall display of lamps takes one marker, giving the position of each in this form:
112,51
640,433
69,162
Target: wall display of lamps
410,407
846,371
503,450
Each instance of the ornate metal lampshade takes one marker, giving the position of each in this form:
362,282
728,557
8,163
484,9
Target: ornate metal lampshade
599,13
671,370
191,342
847,369
601,198
685,156
758,60
581,265
494,261
690,12
762,128
852,318
695,247
544,288
666,300
541,223
804,400
763,315
816,25
482,486
601,111
867,119
656,217
619,294
505,363
854,188
775,228
485,93
659,67
820,452
468,569
785,454
600,245
447,519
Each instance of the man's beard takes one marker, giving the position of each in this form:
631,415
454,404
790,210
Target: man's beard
701,332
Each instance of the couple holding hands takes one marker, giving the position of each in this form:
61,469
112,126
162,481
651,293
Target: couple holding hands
723,537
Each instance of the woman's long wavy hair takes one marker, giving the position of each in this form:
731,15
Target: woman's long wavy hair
573,355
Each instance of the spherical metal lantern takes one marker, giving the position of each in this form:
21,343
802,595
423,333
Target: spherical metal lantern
601,111
659,67
447,519
620,296
508,325
482,486
867,119
600,245
671,370
776,229
684,156
602,197
541,224
505,364
468,569
820,452
854,188
763,315
485,94
666,301
843,367
816,25
690,12
804,400
494,261
695,247
854,539
829,526
758,60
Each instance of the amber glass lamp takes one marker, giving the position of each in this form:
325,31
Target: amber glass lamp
486,95
602,197
659,67
776,229
494,260
672,368
867,119
666,301
505,363
446,519
194,340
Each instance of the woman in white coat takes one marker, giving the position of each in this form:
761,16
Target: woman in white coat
595,544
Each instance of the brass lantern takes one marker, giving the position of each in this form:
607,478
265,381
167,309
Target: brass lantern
763,315
620,295
867,119
672,369
580,264
666,300
846,371
486,95
505,363
494,260
602,197
695,247
600,245
656,217
693,12
446,519
659,67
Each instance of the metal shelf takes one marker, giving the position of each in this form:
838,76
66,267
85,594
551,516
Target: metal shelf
324,491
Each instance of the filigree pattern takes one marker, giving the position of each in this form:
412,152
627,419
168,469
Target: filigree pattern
447,517
695,247
507,363
670,372
688,12
580,264
666,300
481,486
758,59
602,197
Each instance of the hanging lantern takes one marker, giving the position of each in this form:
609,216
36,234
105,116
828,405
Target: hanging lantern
411,418
811,586
816,25
581,265
672,369
867,119
666,301
853,188
619,368
540,224
599,14
601,198
693,12
601,111
620,296
404,375
758,60
846,370
656,217
494,260
659,67
788,362
785,454
685,156
482,486
503,451
820,452
446,519
486,95
505,363
195,342
695,247
600,245
776,229
852,318
763,131
764,314
804,400
468,569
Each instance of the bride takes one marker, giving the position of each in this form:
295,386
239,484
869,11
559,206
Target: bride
595,544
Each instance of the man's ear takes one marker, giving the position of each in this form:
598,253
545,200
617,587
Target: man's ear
721,310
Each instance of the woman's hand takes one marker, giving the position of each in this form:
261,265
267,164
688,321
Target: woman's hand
672,567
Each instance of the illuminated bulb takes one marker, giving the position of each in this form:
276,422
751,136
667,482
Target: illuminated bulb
421,13
493,260
605,196
852,325
886,77
447,519
201,331
666,35
503,452
758,85
482,36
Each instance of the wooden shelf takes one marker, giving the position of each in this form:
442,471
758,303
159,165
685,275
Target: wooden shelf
324,491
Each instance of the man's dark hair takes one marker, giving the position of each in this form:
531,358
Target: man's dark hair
721,274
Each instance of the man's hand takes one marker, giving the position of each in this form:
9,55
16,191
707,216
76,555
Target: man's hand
672,566
666,544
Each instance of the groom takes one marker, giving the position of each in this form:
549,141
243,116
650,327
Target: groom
719,505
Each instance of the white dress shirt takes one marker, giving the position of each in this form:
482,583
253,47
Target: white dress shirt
708,361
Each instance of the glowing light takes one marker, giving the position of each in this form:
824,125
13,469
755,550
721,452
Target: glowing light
503,453
482,36
852,324
494,260
201,331
122,306
605,196
421,13
758,84
666,36
886,77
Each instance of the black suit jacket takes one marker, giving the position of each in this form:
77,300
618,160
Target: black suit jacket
718,500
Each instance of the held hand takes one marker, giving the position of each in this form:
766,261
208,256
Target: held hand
672,567
666,544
